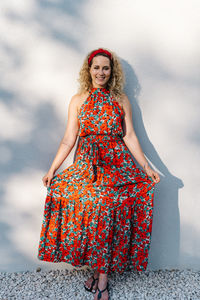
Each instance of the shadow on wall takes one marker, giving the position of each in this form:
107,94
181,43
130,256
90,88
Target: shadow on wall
41,148
165,241
27,157
37,151
192,254
32,130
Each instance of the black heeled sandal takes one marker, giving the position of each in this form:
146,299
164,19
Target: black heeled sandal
92,284
100,292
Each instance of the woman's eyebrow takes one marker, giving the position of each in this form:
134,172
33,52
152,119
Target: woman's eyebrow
103,66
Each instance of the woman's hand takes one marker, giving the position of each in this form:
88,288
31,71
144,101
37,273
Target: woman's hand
151,173
47,178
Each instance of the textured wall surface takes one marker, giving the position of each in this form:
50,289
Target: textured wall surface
42,47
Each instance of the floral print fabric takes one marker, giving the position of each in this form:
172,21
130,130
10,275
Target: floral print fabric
98,211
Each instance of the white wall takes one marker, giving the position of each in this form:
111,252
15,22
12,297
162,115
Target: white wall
42,47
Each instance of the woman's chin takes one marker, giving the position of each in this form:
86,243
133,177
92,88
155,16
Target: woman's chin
101,83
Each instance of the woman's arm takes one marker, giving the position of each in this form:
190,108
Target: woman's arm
132,141
69,139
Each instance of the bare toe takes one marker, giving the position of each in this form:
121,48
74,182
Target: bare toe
88,284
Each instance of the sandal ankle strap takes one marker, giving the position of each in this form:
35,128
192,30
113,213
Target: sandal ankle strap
100,292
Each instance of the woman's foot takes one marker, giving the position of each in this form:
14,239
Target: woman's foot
102,286
88,283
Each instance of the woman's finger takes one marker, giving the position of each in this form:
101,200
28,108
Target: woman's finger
157,177
49,182
45,179
154,175
154,178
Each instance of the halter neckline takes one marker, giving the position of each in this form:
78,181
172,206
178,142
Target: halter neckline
103,89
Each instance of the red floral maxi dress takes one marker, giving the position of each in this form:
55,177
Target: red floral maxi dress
98,211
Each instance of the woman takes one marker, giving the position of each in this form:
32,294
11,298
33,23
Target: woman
98,211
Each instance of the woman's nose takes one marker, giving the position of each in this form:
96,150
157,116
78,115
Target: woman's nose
100,71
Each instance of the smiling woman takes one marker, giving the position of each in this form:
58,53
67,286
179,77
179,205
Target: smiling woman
110,64
100,71
98,211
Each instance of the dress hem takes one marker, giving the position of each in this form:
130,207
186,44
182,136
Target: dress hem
128,267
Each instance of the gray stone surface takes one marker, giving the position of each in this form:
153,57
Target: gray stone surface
65,284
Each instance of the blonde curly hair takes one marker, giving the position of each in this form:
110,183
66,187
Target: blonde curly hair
116,81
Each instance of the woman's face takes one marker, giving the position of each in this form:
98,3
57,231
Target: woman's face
100,71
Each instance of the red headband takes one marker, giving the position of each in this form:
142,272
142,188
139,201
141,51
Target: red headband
98,51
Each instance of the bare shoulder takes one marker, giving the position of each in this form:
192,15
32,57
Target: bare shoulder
78,99
125,102
124,99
